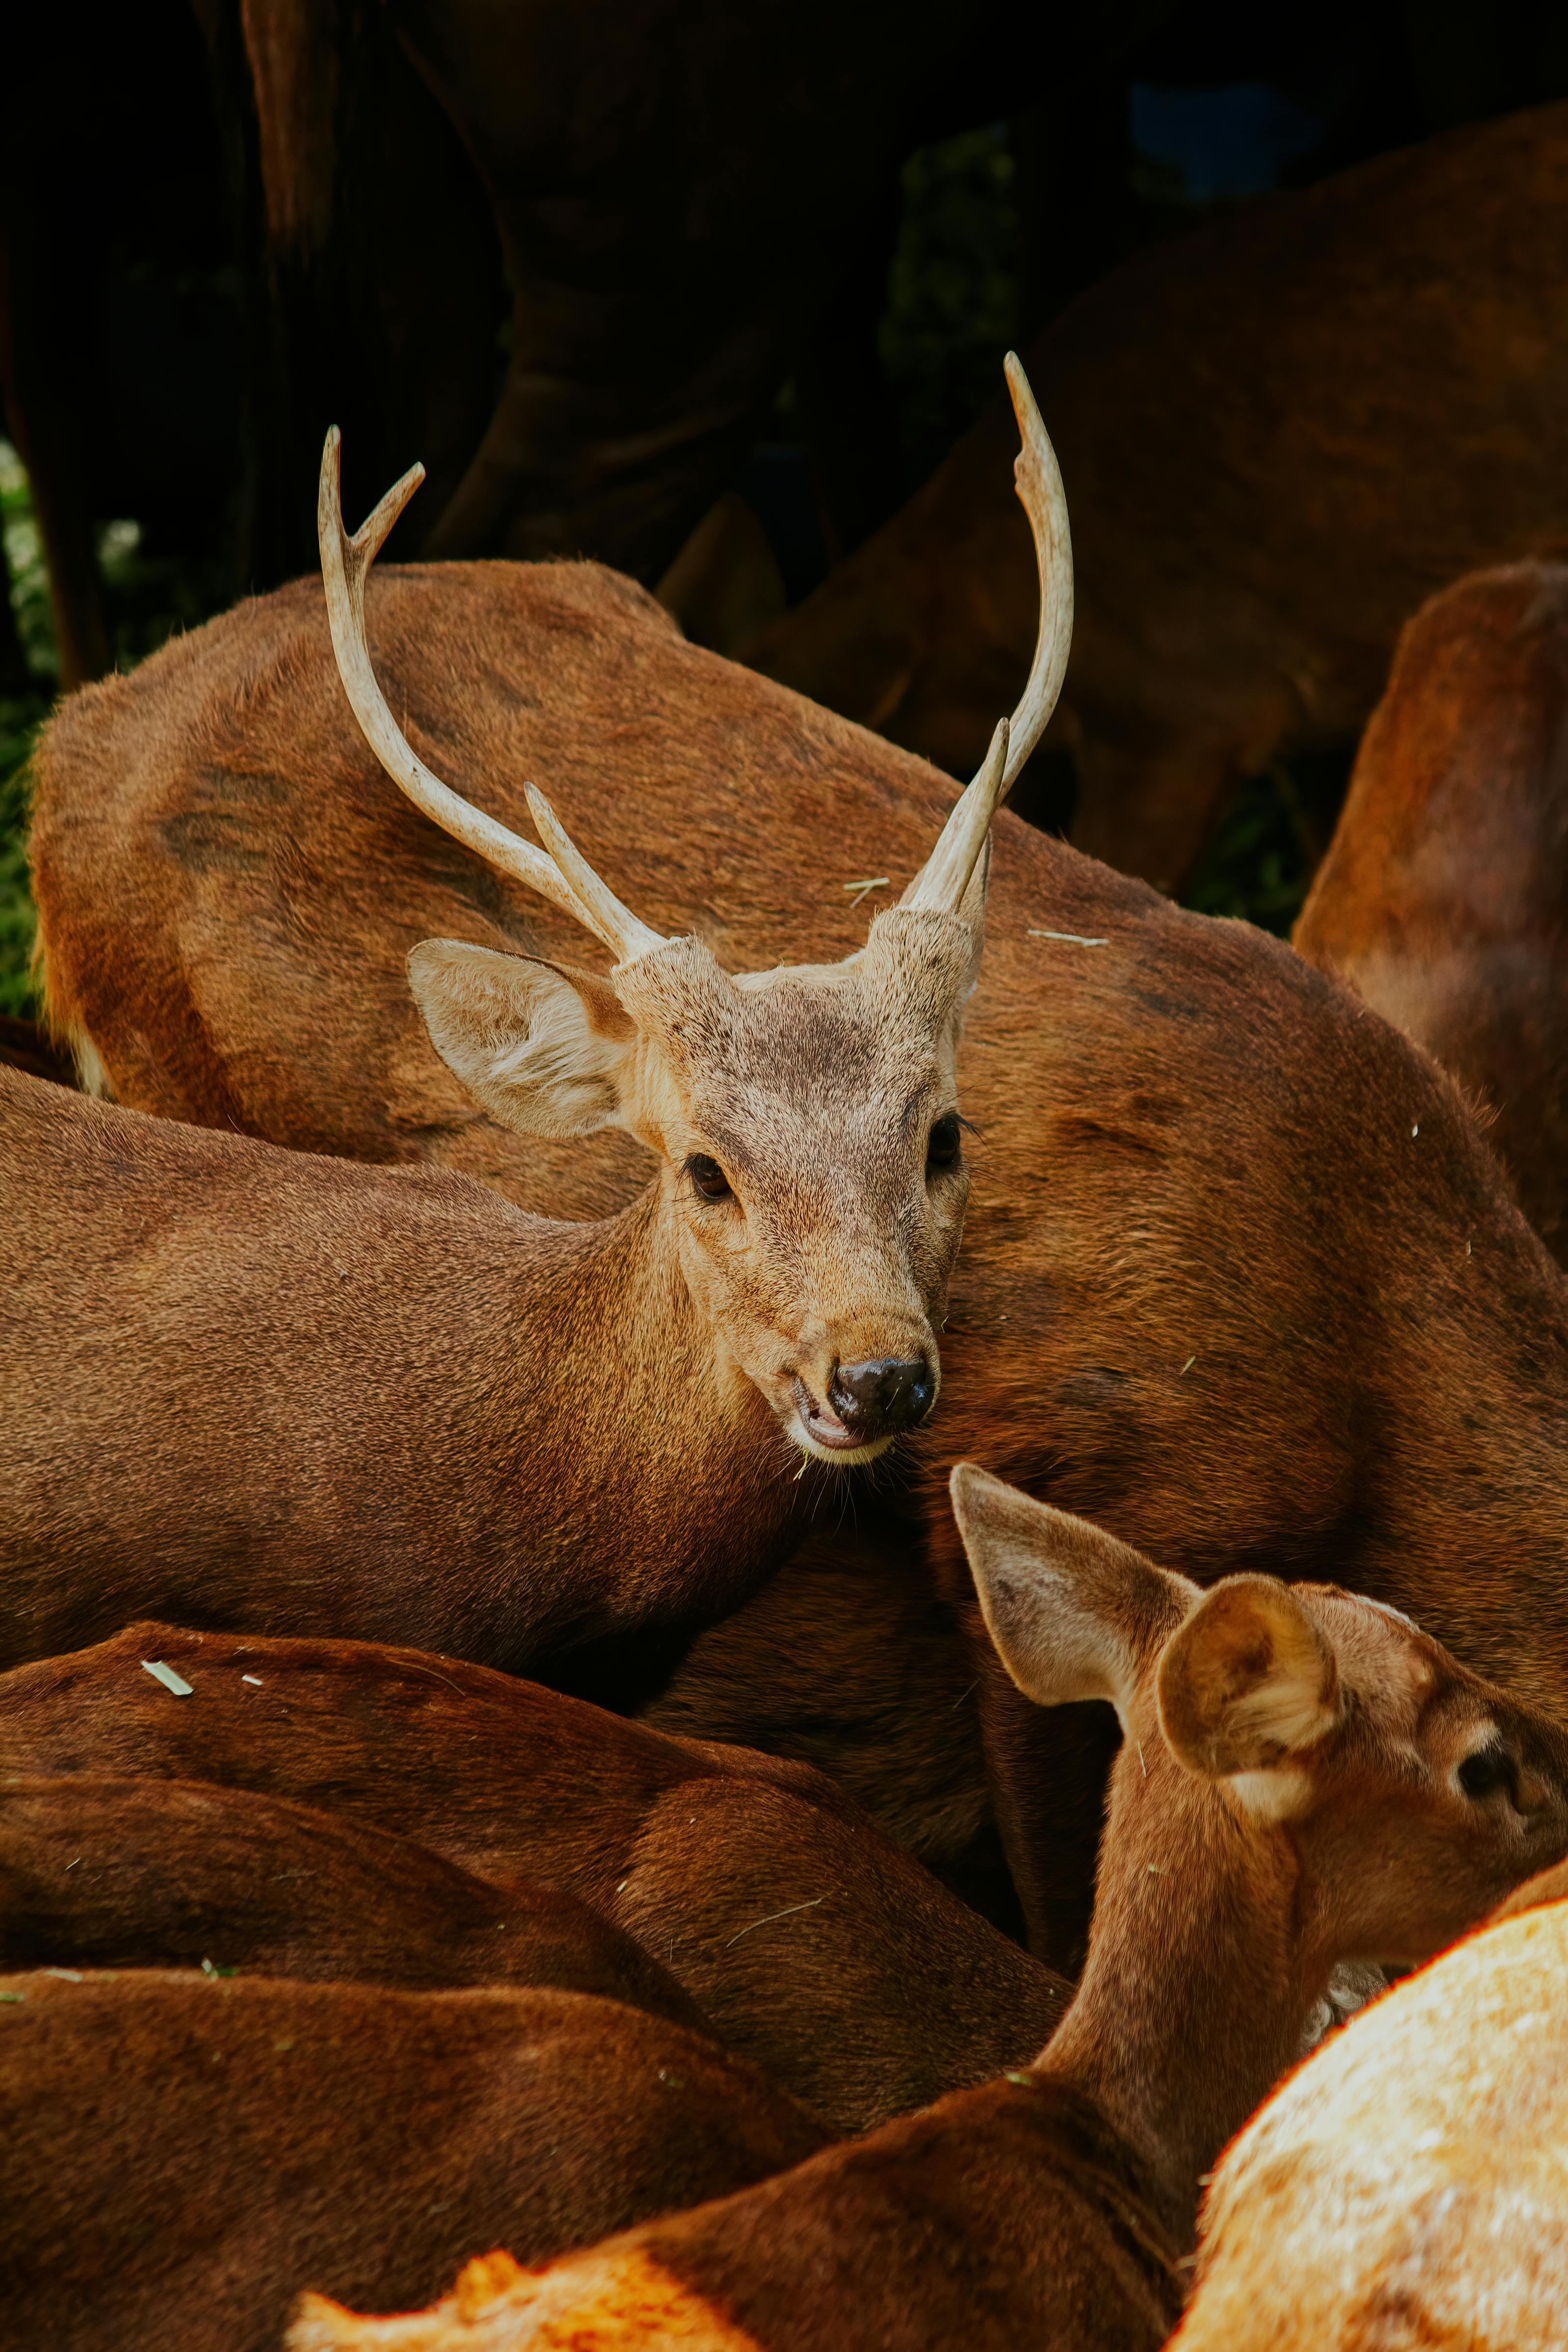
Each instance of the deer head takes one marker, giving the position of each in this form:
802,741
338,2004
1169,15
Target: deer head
806,1119
1400,1795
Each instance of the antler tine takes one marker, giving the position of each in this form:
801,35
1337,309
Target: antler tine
623,933
345,565
941,882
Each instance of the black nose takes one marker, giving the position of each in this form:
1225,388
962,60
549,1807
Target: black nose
875,1398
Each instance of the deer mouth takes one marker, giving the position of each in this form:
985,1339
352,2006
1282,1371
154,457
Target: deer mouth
822,1425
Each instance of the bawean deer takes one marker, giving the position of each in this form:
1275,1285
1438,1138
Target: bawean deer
1304,1777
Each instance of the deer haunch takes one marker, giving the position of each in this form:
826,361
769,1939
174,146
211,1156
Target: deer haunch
1443,900
1299,1780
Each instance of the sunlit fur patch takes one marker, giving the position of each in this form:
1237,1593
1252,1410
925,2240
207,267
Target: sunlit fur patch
615,2298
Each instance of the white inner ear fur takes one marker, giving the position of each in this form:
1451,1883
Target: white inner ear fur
519,1035
1055,1647
1276,1794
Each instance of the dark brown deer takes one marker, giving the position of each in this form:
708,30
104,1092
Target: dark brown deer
1407,2186
112,1874
180,2155
1305,1777
1258,502
806,1941
377,1403
1237,1263
1443,900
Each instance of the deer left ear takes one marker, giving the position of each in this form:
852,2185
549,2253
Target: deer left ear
1246,1685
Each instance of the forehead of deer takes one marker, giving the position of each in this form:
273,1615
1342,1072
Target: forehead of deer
807,1034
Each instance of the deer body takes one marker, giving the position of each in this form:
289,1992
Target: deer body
1408,2184
1443,900
385,1397
1276,1741
807,1942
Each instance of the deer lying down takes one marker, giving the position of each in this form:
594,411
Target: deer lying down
339,1399
809,1944
1409,2186
1305,1777
98,1873
1444,897
179,2156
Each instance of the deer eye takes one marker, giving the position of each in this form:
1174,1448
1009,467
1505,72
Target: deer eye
944,1145
709,1182
1487,1769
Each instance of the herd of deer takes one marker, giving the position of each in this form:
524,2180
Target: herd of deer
683,1997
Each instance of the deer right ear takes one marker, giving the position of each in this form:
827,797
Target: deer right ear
1245,1685
544,1048
1071,1611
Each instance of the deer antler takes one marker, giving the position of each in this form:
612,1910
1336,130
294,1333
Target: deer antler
942,881
564,877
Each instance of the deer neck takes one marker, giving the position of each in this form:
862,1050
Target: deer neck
1198,1989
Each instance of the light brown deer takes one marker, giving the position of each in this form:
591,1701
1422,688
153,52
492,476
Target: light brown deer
1237,1263
1443,900
349,1401
1304,1777
179,2154
807,1942
1408,2186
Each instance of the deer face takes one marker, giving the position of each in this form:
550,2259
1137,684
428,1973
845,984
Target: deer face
1400,1795
807,1122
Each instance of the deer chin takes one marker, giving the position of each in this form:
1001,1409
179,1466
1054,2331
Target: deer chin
817,1430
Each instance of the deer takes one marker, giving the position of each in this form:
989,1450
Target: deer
1406,2186
103,1872
1441,900
1304,1777
1258,508
812,1946
389,1400
183,2152
1237,1258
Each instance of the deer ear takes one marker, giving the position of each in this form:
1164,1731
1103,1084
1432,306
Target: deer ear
1245,1685
1072,1612
544,1048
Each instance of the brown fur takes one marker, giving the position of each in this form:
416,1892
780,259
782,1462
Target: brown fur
178,2156
101,1873
1408,2186
1214,1293
1259,499
809,1943
1443,900
1050,2207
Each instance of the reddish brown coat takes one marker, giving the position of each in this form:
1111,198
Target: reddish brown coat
809,1943
180,2155
1443,900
